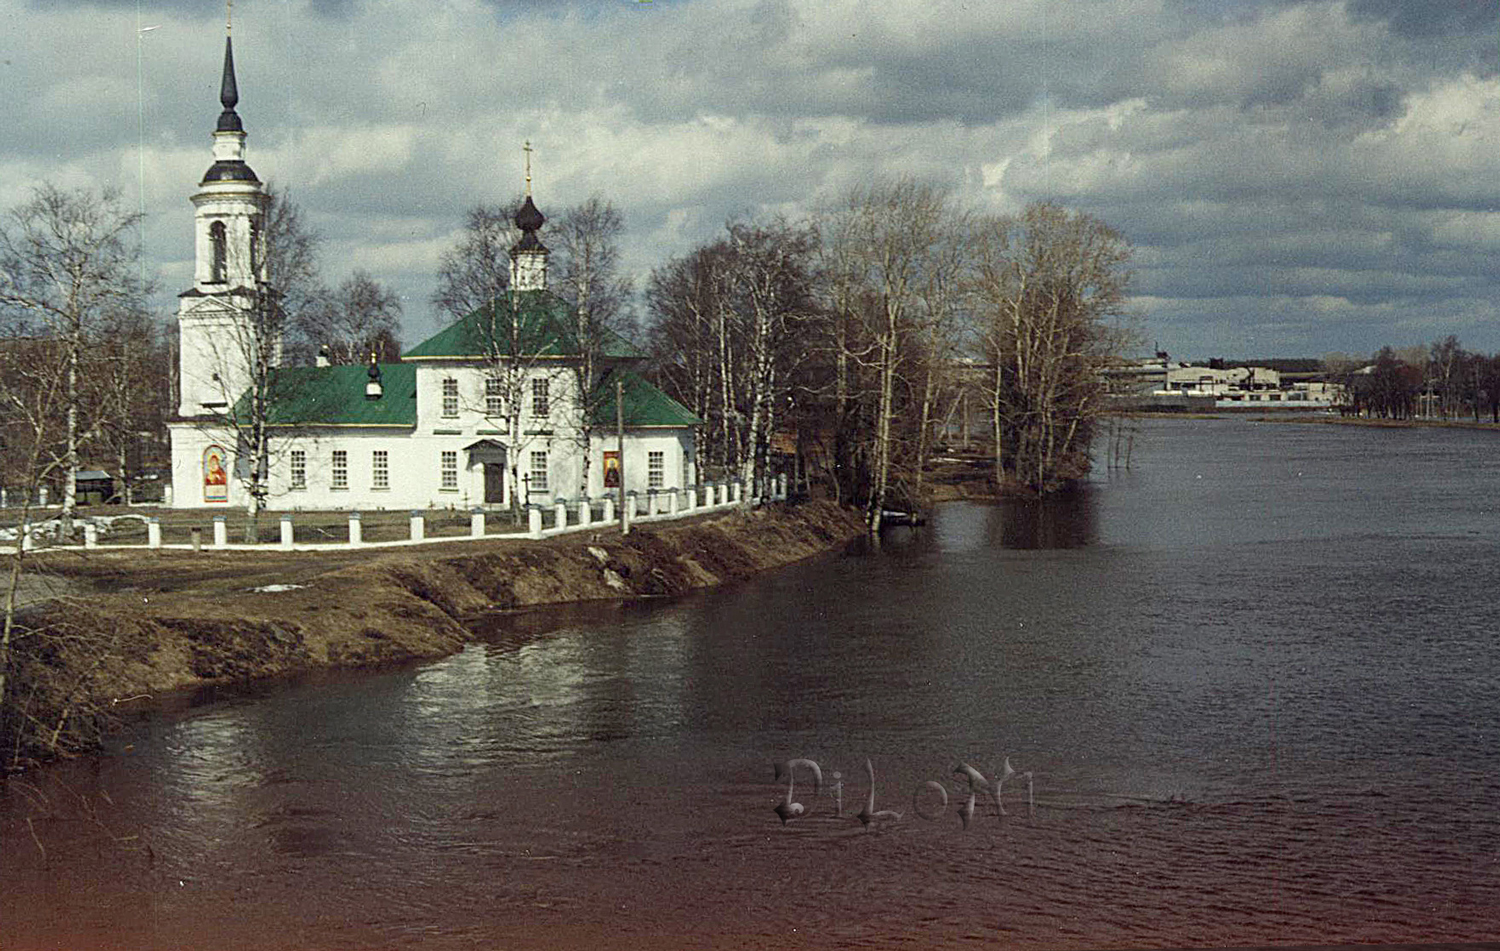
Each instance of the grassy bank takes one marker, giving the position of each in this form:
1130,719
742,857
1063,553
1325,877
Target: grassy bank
132,627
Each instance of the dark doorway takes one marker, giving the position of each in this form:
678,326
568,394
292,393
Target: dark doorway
494,483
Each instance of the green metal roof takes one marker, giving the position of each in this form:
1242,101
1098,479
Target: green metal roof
546,330
335,396
645,405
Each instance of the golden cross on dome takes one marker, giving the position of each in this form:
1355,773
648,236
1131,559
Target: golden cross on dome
527,149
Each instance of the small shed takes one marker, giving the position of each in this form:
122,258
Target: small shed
95,486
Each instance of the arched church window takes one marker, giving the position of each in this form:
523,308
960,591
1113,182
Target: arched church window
220,246
255,251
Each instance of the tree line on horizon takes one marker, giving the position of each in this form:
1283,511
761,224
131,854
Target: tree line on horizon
1439,380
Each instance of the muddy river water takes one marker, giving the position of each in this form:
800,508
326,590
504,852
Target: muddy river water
1254,680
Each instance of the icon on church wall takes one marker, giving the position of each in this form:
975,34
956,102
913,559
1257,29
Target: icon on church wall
611,469
215,475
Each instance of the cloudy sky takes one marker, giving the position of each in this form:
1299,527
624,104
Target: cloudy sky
1296,177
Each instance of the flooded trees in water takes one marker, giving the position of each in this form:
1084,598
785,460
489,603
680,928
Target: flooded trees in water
1048,286
884,313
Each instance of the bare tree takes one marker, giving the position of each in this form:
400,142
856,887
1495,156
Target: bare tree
476,270
1048,285
66,265
587,236
770,282
359,317
125,368
892,229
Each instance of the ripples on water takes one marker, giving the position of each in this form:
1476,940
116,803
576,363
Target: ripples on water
1254,677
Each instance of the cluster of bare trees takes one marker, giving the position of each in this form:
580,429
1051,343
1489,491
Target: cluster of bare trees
79,359
863,330
1440,380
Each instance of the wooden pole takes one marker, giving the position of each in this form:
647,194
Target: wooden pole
620,448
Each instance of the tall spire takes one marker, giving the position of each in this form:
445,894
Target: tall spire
229,93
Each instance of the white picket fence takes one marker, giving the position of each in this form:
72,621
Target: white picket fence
568,516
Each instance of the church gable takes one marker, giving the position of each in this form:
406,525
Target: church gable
545,331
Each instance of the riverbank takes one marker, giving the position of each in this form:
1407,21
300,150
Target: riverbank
1384,423
136,626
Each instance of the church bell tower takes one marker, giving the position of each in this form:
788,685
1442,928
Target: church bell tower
215,316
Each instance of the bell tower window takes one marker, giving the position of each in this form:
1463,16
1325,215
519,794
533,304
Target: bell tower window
219,245
255,239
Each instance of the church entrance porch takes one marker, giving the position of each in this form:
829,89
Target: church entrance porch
491,458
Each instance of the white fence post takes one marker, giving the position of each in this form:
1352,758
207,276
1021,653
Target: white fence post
476,523
672,502
609,508
585,511
356,530
736,490
221,531
90,535
631,507
534,519
42,493
153,532
560,510
418,526
166,495
286,532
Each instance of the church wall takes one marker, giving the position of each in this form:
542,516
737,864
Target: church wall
675,445
415,473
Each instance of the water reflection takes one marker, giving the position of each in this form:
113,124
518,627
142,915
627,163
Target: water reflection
1067,520
1312,671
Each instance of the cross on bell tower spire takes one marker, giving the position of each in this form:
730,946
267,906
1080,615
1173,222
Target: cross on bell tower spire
527,149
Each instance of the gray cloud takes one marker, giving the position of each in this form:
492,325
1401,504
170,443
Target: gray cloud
1297,176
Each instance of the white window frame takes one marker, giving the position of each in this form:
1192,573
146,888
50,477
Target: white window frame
541,405
380,469
340,470
448,470
450,398
656,469
538,472
299,470
494,397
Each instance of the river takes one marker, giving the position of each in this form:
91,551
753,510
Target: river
1254,680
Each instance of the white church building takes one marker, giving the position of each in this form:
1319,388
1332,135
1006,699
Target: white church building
493,409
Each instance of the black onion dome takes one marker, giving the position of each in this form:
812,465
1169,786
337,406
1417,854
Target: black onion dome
229,93
528,218
230,170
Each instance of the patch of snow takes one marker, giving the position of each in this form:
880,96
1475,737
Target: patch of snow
273,588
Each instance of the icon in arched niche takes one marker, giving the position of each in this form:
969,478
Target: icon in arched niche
215,474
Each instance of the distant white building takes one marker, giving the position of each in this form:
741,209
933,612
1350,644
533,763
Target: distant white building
434,430
1231,387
